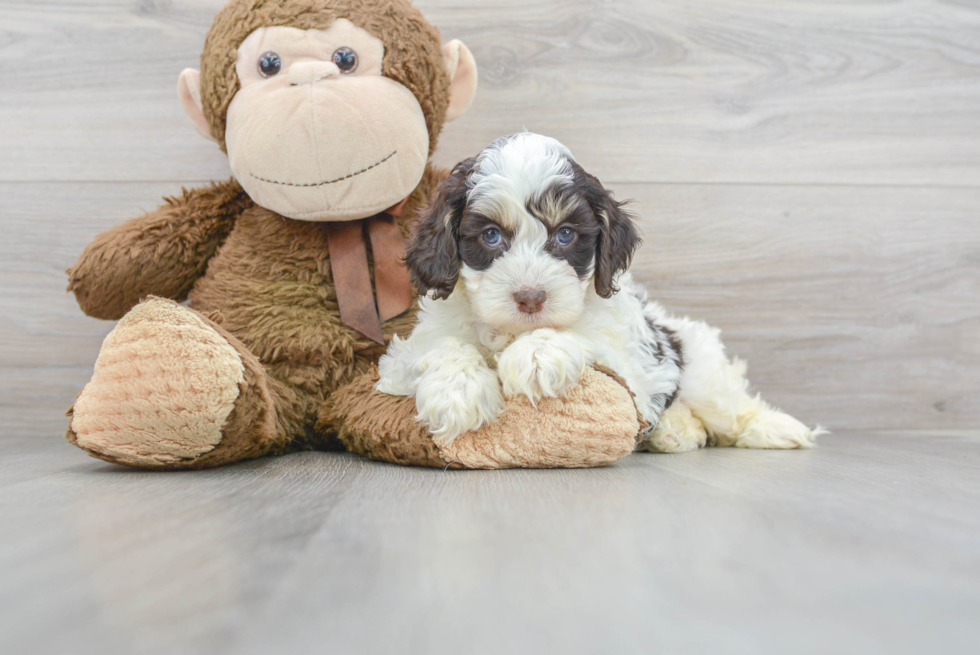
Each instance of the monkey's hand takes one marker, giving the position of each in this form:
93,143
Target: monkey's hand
544,363
160,254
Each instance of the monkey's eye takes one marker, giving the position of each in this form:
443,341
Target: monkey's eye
492,237
565,236
270,64
346,60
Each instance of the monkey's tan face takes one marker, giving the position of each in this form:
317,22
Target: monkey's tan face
316,132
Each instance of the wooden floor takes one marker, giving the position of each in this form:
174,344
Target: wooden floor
807,177
869,544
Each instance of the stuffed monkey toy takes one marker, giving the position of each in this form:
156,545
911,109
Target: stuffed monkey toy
329,111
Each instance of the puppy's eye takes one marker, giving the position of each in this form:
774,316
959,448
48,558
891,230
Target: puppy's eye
492,237
346,60
270,64
565,236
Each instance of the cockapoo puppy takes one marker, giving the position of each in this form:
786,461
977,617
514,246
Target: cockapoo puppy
523,260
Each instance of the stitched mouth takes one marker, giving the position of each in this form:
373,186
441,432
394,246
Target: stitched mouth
326,182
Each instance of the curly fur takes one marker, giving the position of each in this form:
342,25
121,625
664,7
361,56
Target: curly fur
493,239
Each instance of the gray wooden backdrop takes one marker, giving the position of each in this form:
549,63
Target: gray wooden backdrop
807,173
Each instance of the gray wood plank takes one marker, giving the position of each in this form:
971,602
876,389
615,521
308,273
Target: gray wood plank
855,307
717,91
868,544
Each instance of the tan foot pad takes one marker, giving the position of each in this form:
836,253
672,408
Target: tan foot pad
164,385
594,425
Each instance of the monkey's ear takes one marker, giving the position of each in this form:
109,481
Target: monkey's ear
189,92
432,256
462,71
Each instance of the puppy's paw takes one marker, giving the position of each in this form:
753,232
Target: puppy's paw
456,393
396,369
678,431
765,427
539,364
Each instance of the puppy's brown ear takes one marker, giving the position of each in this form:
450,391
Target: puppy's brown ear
432,255
618,237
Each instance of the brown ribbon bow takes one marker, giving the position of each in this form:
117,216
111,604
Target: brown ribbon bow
352,276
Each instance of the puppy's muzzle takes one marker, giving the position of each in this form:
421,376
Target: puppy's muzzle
530,301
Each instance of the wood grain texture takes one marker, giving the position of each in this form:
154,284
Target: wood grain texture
869,544
818,91
807,177
855,307
853,296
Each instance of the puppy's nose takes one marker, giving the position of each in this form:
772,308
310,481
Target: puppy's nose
530,301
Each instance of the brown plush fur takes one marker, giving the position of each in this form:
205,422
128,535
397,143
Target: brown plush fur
380,426
251,429
268,286
271,282
413,49
160,254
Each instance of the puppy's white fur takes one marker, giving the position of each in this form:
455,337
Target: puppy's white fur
473,349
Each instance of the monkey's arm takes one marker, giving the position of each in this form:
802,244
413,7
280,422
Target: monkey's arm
161,254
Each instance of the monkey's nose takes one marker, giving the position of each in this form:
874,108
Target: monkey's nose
309,72
530,301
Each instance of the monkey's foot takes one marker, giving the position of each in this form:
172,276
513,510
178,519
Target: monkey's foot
171,390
